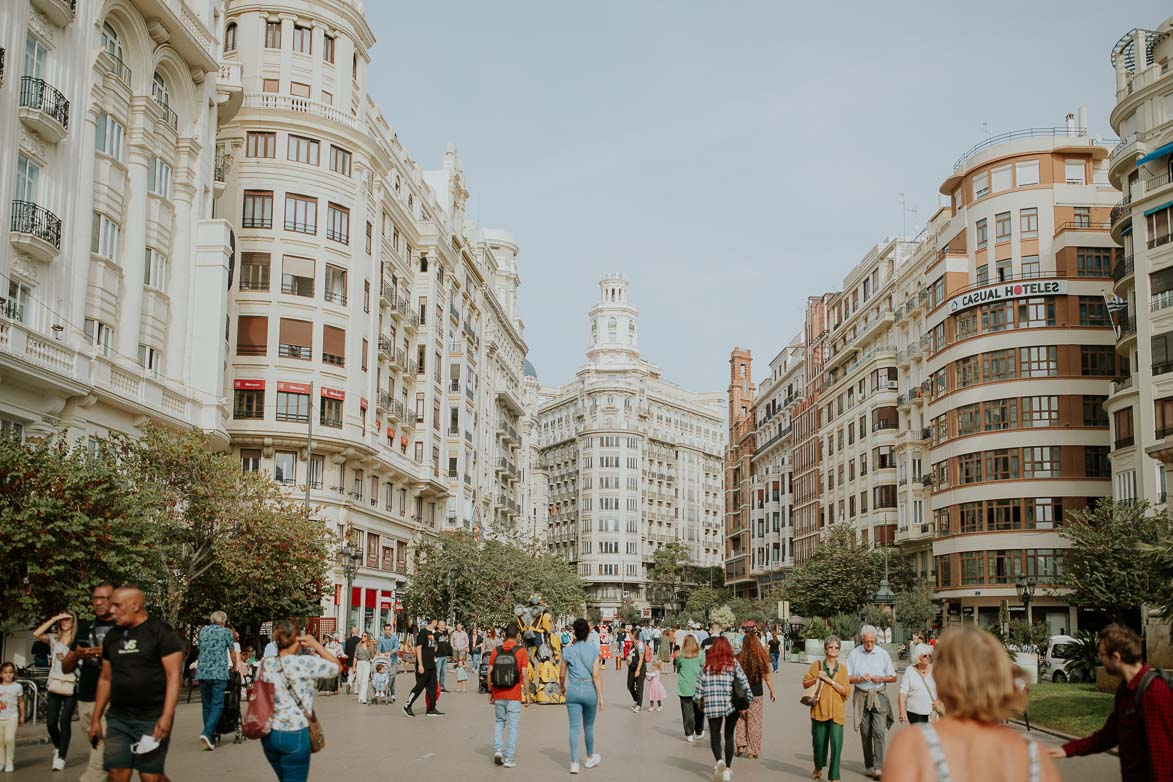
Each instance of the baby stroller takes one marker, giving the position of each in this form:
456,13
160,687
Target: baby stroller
483,674
230,717
381,673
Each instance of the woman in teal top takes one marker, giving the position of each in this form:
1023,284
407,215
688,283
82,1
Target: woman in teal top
688,665
582,685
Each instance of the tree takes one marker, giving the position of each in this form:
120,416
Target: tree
702,600
1108,566
840,574
67,522
669,571
1160,556
915,609
724,616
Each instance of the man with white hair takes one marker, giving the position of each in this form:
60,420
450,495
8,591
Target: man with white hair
871,670
217,657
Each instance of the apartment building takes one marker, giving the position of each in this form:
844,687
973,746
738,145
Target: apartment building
632,463
738,470
375,351
114,269
1141,402
807,446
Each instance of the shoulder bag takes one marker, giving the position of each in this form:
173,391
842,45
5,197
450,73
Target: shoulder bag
317,735
258,719
810,696
740,697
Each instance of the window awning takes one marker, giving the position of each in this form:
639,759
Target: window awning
1159,152
1165,205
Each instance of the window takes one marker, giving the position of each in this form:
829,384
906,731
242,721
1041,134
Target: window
303,39
983,274
1041,462
100,335
248,404
230,37
1122,425
150,359
156,270
254,271
1002,227
1083,217
1001,414
17,306
1095,462
1075,171
971,517
354,66
969,468
104,237
159,90
1163,418
997,317
108,136
252,335
28,175
328,48
299,89
1038,361
1000,179
1158,224
301,214
1034,313
1093,311
968,419
293,406
1004,270
109,41
302,150
270,85
1097,361
1030,266
331,413
327,97
258,209
335,285
1093,262
1040,411
297,276
296,339
334,346
1002,464
1093,411
250,460
968,371
338,223
272,35
981,233
339,160
1161,348
981,184
1028,222
285,467
1027,173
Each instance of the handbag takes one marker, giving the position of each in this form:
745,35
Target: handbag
740,698
317,735
258,719
810,696
61,684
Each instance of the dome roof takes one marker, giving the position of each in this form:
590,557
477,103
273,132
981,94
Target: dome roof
529,369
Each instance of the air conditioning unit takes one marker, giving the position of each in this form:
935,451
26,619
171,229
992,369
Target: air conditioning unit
893,385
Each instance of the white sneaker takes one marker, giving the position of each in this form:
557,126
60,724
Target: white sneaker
593,760
690,738
509,764
728,775
573,768
719,771
8,769
58,762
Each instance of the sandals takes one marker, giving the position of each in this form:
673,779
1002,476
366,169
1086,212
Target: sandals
817,774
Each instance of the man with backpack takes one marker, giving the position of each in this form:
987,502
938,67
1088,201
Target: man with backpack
1141,723
508,692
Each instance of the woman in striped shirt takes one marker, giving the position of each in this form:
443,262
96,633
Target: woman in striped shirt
714,691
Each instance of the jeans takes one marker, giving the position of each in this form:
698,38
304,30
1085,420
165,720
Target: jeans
693,717
212,702
715,735
288,752
476,664
582,705
774,661
59,715
822,734
441,667
506,713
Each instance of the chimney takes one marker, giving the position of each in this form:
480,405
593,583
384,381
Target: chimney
1070,123
1083,120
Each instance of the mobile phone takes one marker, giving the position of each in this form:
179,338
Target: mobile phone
94,741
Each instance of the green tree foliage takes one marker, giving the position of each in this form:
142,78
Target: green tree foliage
841,573
723,615
1110,567
915,609
669,573
66,523
702,600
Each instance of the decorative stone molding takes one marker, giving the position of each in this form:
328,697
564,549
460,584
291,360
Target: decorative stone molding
158,31
24,268
33,147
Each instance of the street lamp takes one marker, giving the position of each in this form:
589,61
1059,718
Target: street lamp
351,557
1026,592
884,595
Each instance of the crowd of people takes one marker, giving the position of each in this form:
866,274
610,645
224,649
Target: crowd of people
121,671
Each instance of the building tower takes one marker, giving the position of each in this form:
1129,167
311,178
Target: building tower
738,470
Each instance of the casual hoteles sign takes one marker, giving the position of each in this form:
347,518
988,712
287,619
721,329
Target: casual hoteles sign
1007,291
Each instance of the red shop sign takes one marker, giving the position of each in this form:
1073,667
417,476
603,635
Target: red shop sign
248,385
333,393
293,388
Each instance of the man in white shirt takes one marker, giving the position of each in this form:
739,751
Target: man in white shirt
871,670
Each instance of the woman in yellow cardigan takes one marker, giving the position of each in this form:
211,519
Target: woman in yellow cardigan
829,714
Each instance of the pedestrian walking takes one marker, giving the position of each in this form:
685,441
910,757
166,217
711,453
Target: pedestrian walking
581,679
363,653
918,690
476,646
829,712
460,642
139,685
755,663
294,677
976,681
389,646
664,650
715,685
58,634
425,672
217,656
636,674
508,692
85,659
688,667
1141,722
775,646
443,653
348,648
11,715
656,692
870,670
715,632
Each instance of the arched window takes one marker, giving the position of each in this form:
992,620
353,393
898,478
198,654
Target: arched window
423,263
230,37
110,43
159,89
397,183
611,328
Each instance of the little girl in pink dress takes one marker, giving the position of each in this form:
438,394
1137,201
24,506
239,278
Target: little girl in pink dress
656,692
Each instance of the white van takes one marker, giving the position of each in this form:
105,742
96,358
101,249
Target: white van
1053,665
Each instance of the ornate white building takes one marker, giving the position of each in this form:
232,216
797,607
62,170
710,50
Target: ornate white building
631,461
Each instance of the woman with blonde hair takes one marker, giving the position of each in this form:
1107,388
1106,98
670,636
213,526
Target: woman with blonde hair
62,698
976,683
688,666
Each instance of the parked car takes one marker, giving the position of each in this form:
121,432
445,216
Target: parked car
1055,658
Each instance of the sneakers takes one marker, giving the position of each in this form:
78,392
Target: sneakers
509,763
690,738
728,775
8,768
573,768
879,772
635,709
58,762
208,745
719,771
593,760
433,713
407,712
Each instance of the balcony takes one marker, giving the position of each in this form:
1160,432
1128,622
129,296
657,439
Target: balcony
1120,211
1122,270
1082,225
510,396
166,114
395,411
398,358
386,348
59,12
275,102
35,231
229,90
383,401
507,431
43,109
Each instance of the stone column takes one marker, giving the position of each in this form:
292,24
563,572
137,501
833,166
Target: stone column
134,230
182,285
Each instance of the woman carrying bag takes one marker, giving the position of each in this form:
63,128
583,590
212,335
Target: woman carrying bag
826,693
918,691
722,690
62,686
295,728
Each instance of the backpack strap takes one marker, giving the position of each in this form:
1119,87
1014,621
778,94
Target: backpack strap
933,742
1145,681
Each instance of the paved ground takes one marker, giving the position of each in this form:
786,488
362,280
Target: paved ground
379,740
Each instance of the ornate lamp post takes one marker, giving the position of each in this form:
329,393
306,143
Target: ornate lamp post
1026,592
351,557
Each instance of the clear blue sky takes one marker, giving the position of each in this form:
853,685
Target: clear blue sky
729,157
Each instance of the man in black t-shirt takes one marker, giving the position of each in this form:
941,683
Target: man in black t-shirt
141,662
443,652
348,647
85,657
425,672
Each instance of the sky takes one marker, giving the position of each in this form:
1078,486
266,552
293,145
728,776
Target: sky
730,157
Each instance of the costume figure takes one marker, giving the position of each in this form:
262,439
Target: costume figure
544,648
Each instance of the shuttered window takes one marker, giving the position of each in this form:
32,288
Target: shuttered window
334,346
296,339
252,335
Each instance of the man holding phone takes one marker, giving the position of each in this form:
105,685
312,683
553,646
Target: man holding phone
85,657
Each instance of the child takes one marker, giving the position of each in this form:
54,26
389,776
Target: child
11,714
461,678
381,680
656,692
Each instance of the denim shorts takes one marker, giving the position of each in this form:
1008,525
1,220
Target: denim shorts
120,734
